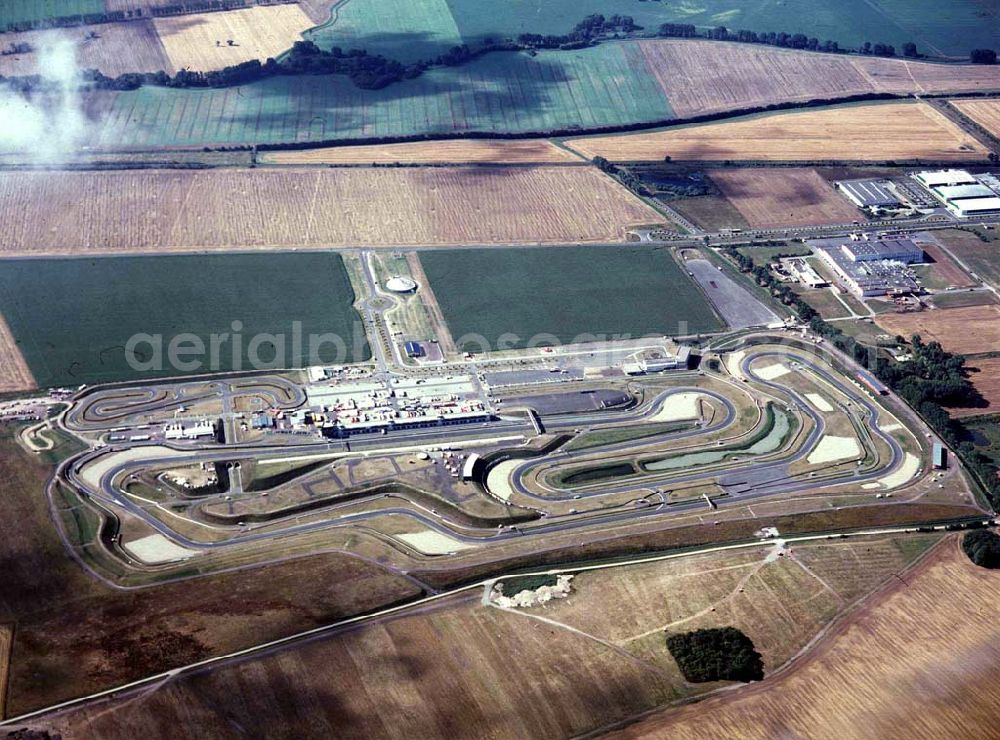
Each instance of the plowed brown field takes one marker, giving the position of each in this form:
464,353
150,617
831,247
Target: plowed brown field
702,77
783,197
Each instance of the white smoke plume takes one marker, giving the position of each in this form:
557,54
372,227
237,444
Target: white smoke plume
49,125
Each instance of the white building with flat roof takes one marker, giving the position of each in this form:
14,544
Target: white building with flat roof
944,178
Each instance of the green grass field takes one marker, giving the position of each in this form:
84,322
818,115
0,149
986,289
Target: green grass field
72,318
566,293
406,28
509,92
977,248
407,31
19,11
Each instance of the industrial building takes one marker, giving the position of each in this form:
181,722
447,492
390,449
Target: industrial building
658,362
869,193
199,429
413,349
940,456
874,268
896,250
801,270
962,193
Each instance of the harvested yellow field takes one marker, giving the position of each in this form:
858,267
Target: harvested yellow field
966,331
157,210
984,112
201,42
459,151
920,660
854,133
700,76
14,372
117,49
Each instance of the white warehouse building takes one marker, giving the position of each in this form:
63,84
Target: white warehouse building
964,194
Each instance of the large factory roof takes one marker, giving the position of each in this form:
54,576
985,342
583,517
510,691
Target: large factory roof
956,192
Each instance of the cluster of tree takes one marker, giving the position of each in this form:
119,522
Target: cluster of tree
684,191
983,56
68,21
716,654
625,176
983,548
22,47
583,34
367,71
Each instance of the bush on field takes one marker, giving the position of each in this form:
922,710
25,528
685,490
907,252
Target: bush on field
983,548
716,654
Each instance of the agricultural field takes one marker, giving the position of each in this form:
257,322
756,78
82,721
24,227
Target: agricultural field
457,151
783,197
605,85
702,77
201,42
20,11
117,49
977,248
945,270
14,372
465,669
406,31
899,662
966,331
93,307
876,133
985,376
984,112
564,294
950,31
156,210
710,212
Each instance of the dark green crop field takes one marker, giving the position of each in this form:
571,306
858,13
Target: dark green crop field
607,85
20,11
73,318
564,294
422,29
